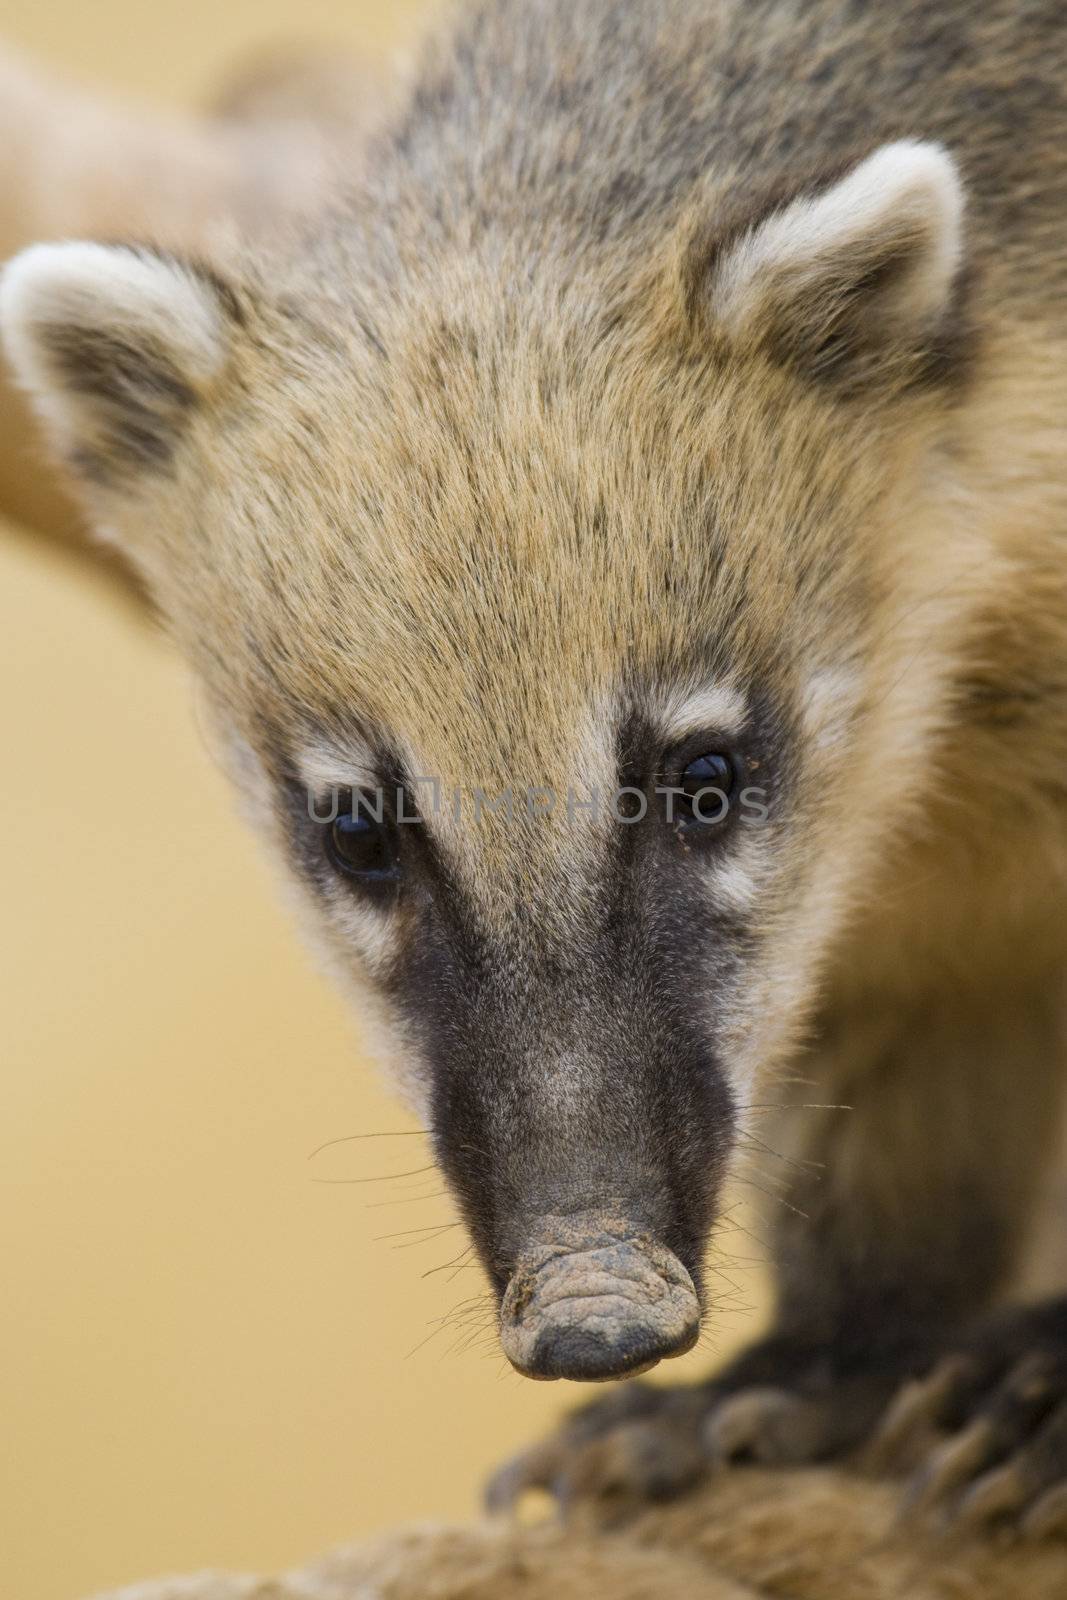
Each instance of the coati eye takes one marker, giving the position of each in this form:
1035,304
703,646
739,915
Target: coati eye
707,784
362,846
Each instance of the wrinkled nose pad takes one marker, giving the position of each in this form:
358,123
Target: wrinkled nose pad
608,1307
589,1357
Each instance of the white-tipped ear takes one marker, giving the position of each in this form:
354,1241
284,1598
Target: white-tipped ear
117,346
863,269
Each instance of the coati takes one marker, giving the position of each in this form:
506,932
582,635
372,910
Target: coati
670,406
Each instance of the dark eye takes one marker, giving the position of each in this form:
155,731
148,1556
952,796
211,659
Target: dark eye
707,784
363,846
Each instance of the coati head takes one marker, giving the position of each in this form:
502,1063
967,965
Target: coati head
494,555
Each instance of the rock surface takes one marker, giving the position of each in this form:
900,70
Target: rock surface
749,1535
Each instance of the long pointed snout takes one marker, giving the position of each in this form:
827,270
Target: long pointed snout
584,1125
591,1298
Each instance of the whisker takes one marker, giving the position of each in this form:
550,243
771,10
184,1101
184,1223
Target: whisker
476,1307
461,1309
801,1164
412,1242
739,1227
434,1227
780,1179
346,1138
385,1177
752,1184
404,1200
793,1105
446,1264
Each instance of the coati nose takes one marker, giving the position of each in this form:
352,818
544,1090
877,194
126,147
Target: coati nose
588,1355
592,1300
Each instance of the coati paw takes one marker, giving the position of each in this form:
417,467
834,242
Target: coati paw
984,1434
640,1444
781,1403
786,1403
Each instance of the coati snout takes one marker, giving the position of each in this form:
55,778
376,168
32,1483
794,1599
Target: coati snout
590,1299
589,1185
578,1108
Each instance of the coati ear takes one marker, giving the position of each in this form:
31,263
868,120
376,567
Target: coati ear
854,283
117,346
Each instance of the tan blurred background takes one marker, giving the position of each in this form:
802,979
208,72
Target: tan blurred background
207,1356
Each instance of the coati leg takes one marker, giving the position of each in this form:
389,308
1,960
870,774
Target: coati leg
904,1221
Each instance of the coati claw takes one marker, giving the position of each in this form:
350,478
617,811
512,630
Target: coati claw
769,1426
531,1469
640,1444
908,1430
989,1428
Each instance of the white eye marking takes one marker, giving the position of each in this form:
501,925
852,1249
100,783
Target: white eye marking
325,766
716,706
369,930
732,881
325,770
